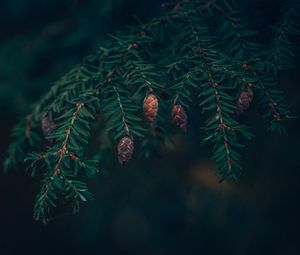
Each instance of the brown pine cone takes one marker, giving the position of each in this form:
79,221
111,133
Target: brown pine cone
244,100
125,149
48,126
179,116
150,107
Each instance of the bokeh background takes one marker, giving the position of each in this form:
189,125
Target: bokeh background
170,204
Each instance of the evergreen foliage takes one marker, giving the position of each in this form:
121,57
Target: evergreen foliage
200,52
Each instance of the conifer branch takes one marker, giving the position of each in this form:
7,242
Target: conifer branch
223,127
139,74
280,51
64,150
277,110
72,129
25,137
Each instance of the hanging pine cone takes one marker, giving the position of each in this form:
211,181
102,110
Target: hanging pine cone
48,126
179,116
244,100
125,150
150,107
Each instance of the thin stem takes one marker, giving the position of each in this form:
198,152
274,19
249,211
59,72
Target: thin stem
127,132
63,150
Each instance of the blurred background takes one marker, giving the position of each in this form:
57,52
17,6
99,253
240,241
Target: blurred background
171,204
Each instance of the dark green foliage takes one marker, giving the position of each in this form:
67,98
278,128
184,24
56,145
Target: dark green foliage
199,53
26,137
62,163
281,52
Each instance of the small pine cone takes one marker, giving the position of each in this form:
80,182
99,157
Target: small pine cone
244,100
179,116
150,107
125,150
48,126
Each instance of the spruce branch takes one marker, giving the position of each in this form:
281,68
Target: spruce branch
228,165
248,57
148,72
63,150
280,51
25,136
59,179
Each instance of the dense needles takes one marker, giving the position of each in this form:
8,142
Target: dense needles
201,51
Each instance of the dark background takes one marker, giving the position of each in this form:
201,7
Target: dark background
171,204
